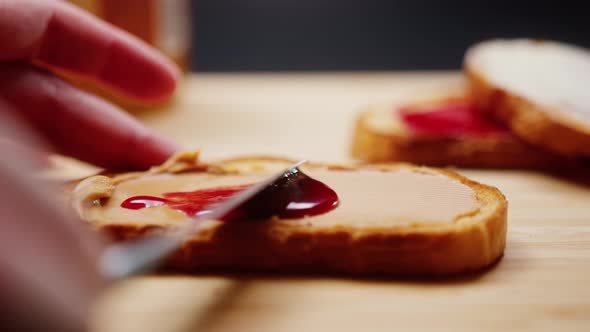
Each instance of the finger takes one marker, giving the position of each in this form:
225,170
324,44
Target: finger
39,159
63,38
79,124
16,141
48,269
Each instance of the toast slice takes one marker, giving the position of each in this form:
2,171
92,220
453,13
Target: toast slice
392,220
538,89
446,130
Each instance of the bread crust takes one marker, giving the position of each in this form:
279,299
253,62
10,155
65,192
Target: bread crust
528,120
469,243
500,152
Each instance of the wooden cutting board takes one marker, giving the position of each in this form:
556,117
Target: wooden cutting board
542,283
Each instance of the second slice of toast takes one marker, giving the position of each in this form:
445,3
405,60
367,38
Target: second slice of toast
446,130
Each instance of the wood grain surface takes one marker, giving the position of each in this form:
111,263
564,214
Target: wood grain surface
541,284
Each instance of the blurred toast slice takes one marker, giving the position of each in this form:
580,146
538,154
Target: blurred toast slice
392,220
446,130
540,90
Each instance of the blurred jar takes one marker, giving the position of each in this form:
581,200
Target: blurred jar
164,24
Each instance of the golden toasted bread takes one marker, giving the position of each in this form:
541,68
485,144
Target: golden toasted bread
538,89
392,220
382,135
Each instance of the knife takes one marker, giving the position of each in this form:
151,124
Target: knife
139,256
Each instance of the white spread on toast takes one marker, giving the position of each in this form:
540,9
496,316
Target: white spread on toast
553,75
367,197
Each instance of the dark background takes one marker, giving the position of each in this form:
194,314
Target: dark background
285,35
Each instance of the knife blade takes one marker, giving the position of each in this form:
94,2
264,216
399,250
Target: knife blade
140,256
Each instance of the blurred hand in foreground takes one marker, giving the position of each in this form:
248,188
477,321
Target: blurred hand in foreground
48,276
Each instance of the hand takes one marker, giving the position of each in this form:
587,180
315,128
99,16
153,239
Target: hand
37,36
48,276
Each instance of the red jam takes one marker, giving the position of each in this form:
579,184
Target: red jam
295,195
454,118
140,202
191,203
